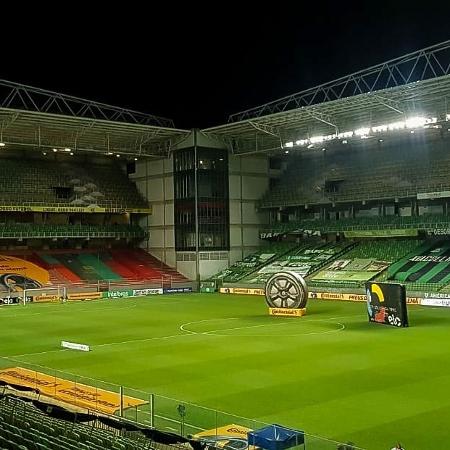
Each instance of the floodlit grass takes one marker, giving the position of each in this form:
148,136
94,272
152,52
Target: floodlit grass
330,373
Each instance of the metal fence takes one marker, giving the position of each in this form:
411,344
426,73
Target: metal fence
156,411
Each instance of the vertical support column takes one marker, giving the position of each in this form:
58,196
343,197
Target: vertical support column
121,401
152,410
241,207
197,262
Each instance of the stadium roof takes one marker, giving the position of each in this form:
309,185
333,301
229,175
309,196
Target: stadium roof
416,84
42,120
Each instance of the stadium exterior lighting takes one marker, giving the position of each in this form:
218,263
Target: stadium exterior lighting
67,150
2,144
109,153
71,153
397,125
44,153
118,155
447,117
286,151
135,159
345,134
55,150
310,146
364,132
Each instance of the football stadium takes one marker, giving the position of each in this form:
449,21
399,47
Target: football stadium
170,288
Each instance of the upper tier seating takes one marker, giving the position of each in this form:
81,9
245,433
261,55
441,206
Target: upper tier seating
29,182
253,262
392,170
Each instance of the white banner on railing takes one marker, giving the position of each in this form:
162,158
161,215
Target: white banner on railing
445,302
143,292
74,346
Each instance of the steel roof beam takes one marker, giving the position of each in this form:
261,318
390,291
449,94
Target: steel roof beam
20,96
431,62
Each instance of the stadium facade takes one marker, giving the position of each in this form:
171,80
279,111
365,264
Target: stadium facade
353,148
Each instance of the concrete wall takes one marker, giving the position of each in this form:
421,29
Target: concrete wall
154,179
248,181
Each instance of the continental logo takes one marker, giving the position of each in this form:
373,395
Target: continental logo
287,312
85,296
68,391
46,298
354,297
237,431
245,291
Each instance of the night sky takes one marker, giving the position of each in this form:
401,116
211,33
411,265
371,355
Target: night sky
197,65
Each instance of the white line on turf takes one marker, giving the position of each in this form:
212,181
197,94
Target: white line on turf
216,332
187,332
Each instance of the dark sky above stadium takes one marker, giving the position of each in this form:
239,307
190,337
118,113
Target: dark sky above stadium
198,64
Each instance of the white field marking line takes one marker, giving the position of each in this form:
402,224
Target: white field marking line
37,353
206,333
25,314
215,332
104,345
212,332
182,326
342,327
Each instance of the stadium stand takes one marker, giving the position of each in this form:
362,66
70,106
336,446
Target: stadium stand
423,222
40,182
397,169
362,263
253,262
426,268
25,427
303,260
31,230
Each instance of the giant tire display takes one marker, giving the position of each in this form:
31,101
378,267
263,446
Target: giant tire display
286,290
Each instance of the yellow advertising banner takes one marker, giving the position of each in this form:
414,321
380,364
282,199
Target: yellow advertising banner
85,296
354,297
16,273
245,291
67,391
292,312
228,436
74,209
227,430
46,298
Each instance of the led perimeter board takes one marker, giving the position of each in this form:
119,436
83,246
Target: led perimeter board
386,303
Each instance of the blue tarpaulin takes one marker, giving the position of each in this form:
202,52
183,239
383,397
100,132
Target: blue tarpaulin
276,437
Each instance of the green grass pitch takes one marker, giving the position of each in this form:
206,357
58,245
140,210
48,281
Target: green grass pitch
330,373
